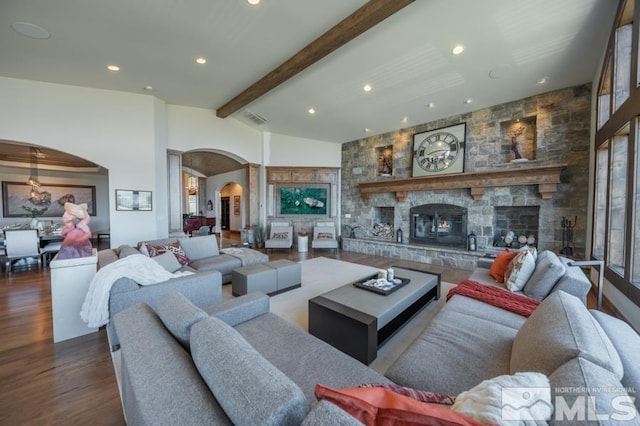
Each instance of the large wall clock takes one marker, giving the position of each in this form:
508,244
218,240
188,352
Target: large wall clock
439,151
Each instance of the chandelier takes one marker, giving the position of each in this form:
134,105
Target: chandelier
33,178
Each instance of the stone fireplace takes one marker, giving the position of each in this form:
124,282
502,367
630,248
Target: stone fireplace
527,198
438,224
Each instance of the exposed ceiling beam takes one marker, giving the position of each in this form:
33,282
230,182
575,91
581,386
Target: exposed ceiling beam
366,17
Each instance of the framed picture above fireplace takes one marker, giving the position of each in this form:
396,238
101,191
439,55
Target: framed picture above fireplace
439,151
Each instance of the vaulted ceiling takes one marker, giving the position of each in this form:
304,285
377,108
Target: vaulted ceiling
406,59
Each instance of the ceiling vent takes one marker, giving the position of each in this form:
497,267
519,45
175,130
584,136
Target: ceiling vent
255,118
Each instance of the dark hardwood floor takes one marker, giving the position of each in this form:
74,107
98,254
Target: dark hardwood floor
73,382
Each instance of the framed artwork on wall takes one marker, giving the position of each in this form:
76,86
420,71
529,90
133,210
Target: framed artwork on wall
130,200
311,199
439,151
20,200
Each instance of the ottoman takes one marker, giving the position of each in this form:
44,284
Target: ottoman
252,278
288,273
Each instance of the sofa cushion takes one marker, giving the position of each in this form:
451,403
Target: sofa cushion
305,359
578,384
373,406
627,342
458,336
499,265
153,250
223,263
547,273
178,314
487,402
248,387
126,250
168,261
200,247
561,329
519,270
326,413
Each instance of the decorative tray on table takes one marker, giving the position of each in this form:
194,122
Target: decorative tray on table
381,285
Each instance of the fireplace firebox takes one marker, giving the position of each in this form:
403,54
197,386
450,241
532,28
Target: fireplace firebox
438,224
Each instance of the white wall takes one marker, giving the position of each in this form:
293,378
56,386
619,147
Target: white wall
129,135
113,129
196,128
289,151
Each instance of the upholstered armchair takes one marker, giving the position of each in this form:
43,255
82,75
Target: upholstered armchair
280,236
324,236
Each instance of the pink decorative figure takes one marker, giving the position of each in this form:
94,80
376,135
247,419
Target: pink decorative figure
76,232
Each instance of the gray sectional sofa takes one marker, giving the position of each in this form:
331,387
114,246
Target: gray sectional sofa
551,273
209,266
237,363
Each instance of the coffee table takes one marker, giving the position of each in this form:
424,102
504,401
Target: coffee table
358,321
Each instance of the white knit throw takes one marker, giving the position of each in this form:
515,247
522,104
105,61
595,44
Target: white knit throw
138,267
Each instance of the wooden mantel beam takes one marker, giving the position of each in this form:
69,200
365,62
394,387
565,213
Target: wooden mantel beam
366,17
546,177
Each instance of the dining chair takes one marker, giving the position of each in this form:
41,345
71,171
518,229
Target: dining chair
21,245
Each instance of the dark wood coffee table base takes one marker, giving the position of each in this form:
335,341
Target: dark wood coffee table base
354,332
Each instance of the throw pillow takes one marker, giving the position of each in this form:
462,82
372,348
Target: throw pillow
418,395
523,398
178,252
377,405
168,261
178,315
499,265
174,248
546,275
280,236
325,236
519,270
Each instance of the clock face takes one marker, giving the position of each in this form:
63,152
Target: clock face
437,152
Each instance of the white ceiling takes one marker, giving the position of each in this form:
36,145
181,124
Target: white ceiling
406,58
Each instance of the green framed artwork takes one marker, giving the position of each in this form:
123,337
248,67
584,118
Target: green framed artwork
310,199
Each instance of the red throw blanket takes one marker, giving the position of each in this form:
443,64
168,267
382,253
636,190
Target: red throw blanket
496,296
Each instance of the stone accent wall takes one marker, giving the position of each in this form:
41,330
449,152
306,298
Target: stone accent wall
562,131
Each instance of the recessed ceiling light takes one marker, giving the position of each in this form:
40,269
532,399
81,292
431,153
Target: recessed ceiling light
148,88
312,111
468,101
457,49
366,130
201,60
253,2
113,68
30,30
366,88
430,105
404,119
543,80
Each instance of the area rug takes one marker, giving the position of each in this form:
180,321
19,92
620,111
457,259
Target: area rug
322,274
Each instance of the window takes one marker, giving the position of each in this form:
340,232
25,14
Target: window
600,201
616,209
618,203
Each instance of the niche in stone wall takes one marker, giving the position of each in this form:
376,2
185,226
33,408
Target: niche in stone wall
384,157
519,140
383,222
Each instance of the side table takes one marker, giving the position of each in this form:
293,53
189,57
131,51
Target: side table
303,243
